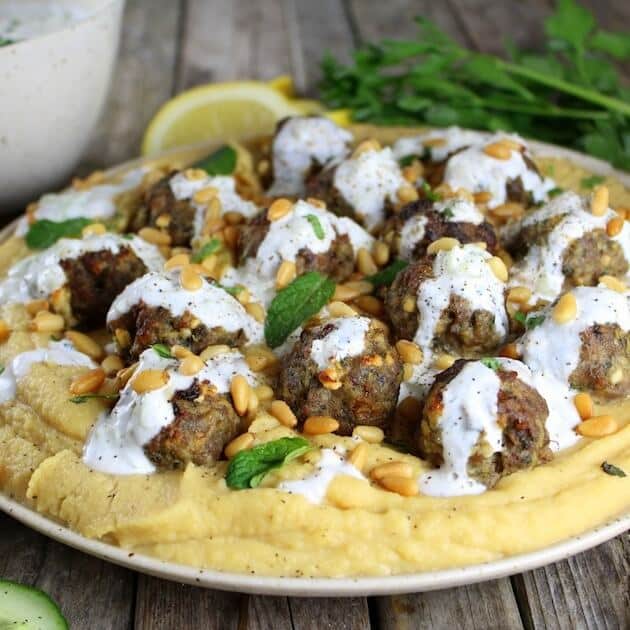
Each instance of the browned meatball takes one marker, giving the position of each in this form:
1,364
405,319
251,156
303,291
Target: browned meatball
521,413
205,422
361,389
320,184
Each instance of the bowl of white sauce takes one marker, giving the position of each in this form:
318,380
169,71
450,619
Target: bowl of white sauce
56,64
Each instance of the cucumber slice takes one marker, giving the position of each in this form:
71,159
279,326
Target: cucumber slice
26,608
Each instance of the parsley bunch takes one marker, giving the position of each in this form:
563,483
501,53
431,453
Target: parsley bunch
569,94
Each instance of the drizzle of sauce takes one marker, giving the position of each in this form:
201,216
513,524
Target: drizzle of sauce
451,139
24,19
347,339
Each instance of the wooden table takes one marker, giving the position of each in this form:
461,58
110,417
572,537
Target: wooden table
168,46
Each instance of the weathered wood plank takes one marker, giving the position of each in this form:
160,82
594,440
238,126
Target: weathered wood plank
330,614
267,612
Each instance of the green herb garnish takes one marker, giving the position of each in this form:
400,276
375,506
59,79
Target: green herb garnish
235,290
447,213
6,42
316,225
44,233
570,93
162,350
429,194
386,276
1,369
492,363
554,192
221,162
248,468
209,248
592,181
408,160
611,469
292,306
530,321
83,398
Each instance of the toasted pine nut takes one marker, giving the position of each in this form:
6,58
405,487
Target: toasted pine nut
191,365
623,213
154,236
370,304
615,376
93,229
443,361
180,352
329,378
381,253
584,405
508,210
341,309
279,208
256,311
179,260
264,393
358,457
240,443
565,309
373,435
240,394
243,296
434,142
163,221
85,344
403,486
482,197
212,219
190,279
230,236
286,274
409,351
408,371
260,358
233,218
409,304
33,307
613,283
87,382
252,404
195,174
126,373
47,322
498,150
444,244
510,351
282,413
398,469
365,262
598,426
519,294
318,203
599,201
263,167
367,145
318,425
112,364
407,194
149,380
213,351
205,194
498,268
614,226
352,290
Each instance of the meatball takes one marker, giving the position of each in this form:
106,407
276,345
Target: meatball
344,368
302,146
450,302
564,245
480,422
157,309
420,223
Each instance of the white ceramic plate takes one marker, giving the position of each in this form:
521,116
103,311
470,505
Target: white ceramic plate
333,587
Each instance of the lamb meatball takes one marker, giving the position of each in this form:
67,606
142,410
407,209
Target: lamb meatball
481,421
420,223
344,368
449,302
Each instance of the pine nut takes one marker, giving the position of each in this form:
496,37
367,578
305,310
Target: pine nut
341,309
371,305
329,378
373,435
358,457
443,361
408,371
240,394
243,296
87,382
584,405
240,443
498,150
599,201
286,274
180,352
510,351
264,393
319,425
365,262
256,311
149,380
230,236
511,144
614,226
213,219
367,145
205,194
407,194
155,236
519,294
33,307
190,279
613,283
398,469
403,486
263,167
409,304
163,221
125,374
85,344
498,268
252,404
413,172
565,310
191,365
381,253
282,413
623,213
598,426
482,197
47,322
278,209
234,218
318,203
259,359
179,260
352,290
195,174
615,376
94,229
434,142
409,351
444,244
112,364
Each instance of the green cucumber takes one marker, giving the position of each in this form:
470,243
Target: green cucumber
27,608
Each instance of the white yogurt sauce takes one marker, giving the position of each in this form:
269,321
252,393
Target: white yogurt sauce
314,487
98,202
39,275
301,142
21,19
347,339
367,182
57,353
116,442
211,304
541,268
453,138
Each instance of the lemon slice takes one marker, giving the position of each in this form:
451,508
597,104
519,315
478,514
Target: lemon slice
221,111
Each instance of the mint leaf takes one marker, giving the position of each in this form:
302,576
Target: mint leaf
316,225
592,181
611,469
292,306
530,321
221,162
386,276
554,192
211,247
162,350
83,398
44,233
248,468
492,363
429,194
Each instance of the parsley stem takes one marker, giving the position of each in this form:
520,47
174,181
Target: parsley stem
548,111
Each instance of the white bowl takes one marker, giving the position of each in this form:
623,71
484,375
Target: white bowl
52,90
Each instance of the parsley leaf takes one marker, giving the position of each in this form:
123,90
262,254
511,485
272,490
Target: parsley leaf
447,213
492,363
248,468
209,248
44,233
292,306
221,162
386,276
429,194
554,192
162,350
1,369
83,398
592,181
235,290
530,321
316,225
611,469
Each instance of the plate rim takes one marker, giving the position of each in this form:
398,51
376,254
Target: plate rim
326,587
